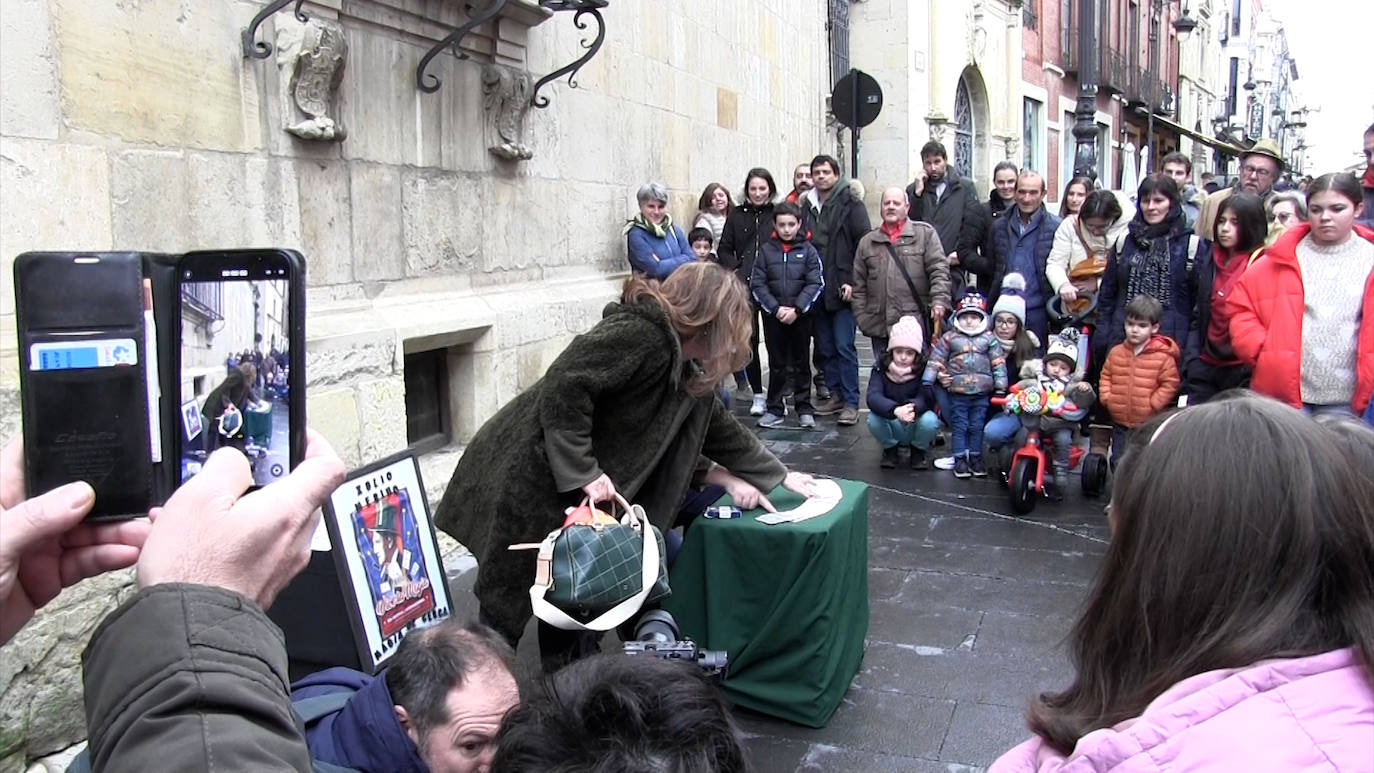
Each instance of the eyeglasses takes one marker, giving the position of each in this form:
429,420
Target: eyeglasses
1257,171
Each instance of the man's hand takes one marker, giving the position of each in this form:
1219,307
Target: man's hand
601,489
846,292
787,315
45,546
905,413
919,183
937,312
1068,293
210,533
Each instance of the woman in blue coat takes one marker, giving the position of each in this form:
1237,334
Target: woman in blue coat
654,245
1156,257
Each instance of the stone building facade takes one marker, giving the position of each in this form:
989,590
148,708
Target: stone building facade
455,240
949,71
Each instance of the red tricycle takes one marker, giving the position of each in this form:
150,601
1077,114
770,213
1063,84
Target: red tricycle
1026,472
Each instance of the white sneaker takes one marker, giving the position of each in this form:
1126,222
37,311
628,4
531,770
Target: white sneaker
944,463
758,407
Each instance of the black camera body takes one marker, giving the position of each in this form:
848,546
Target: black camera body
657,635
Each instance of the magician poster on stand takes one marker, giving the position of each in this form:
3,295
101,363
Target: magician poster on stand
383,538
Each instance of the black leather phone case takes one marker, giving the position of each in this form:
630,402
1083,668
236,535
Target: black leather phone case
92,423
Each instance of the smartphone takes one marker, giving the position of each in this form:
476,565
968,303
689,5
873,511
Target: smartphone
87,377
240,359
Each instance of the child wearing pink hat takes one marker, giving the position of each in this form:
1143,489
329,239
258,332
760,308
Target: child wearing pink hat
900,406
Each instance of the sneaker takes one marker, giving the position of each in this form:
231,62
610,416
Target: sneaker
807,421
849,416
1054,489
919,460
770,420
944,463
828,406
757,409
961,467
889,459
975,466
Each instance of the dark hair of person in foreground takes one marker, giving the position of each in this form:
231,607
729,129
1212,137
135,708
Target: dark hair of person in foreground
618,714
1241,532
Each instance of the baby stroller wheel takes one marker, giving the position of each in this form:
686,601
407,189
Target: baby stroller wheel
1022,484
1094,474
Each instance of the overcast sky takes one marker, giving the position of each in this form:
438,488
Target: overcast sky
1324,37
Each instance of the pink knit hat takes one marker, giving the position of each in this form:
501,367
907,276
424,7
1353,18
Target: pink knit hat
906,333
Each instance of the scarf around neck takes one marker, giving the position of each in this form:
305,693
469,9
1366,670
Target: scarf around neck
659,230
899,375
1150,270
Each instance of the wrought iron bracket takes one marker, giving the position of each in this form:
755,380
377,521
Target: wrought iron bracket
255,50
582,7
429,83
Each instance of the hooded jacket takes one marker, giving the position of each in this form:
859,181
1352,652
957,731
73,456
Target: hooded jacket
1267,307
365,733
850,224
1310,713
1135,387
975,362
977,256
881,294
746,229
655,256
787,274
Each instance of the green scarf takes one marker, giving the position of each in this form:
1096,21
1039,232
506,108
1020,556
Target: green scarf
659,231
825,222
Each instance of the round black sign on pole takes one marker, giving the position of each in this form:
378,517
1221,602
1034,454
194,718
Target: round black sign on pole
856,102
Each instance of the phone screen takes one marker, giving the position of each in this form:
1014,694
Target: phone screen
236,363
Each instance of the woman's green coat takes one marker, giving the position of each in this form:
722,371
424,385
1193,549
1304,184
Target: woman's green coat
612,402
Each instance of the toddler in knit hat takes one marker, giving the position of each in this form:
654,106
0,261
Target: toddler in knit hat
900,406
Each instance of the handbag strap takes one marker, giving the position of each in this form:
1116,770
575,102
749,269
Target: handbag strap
635,519
910,285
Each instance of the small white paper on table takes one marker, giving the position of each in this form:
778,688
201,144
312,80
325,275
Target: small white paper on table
826,496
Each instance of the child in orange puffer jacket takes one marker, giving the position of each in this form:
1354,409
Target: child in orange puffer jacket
1140,377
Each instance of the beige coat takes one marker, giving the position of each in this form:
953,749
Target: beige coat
1068,251
881,294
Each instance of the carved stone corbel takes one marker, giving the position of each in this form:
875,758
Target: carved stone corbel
314,55
937,122
506,100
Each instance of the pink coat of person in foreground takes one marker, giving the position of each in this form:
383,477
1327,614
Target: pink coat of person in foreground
1231,626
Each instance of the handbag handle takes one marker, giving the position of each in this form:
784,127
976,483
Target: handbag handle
635,519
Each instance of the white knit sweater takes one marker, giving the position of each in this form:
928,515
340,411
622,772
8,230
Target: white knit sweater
1333,279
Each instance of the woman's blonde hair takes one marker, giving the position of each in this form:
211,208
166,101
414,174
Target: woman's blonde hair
702,299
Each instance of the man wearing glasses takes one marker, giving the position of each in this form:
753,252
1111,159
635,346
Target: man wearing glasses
1260,167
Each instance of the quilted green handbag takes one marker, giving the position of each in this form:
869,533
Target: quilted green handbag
595,577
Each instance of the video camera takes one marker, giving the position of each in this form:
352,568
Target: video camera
657,635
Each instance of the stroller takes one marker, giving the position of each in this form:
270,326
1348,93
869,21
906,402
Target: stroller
1094,466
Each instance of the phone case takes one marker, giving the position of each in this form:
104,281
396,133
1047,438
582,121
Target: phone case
100,424
84,378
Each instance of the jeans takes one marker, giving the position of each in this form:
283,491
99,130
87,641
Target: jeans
967,416
894,432
1063,443
1001,430
942,401
788,363
835,338
1121,435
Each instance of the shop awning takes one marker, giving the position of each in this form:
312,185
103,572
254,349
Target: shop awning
1211,142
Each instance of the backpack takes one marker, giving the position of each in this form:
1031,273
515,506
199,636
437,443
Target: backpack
308,710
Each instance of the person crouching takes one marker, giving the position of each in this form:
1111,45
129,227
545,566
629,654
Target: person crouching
785,283
899,402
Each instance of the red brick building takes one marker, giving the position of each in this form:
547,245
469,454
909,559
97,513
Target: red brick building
1137,75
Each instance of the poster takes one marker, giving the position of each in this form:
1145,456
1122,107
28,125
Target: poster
383,539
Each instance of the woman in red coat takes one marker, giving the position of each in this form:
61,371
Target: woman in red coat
1316,356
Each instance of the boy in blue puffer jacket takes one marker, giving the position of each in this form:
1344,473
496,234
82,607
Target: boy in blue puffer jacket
899,403
970,364
785,283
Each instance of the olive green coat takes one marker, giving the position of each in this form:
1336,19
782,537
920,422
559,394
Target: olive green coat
612,402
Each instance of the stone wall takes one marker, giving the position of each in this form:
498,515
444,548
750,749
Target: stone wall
141,126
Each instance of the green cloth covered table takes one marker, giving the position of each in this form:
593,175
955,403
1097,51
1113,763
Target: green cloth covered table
789,603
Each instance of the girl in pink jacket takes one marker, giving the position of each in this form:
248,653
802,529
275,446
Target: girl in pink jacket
1231,626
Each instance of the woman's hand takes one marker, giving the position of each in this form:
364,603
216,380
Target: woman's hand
1068,293
800,483
601,489
746,495
906,413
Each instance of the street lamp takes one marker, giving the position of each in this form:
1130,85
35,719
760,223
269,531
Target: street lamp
1085,111
1185,24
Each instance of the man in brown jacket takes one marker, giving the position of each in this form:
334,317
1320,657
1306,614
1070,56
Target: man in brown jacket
883,293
